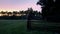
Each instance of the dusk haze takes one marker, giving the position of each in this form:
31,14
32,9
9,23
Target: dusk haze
11,5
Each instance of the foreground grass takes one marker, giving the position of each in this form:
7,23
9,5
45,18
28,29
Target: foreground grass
12,27
16,27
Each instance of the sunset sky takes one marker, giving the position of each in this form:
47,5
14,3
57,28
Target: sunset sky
10,5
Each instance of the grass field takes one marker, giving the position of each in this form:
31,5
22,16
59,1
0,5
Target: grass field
17,27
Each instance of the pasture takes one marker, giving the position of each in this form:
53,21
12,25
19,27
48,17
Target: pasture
17,27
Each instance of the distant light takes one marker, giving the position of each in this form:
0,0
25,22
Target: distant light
54,0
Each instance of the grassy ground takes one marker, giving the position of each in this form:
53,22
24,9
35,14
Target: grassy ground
17,27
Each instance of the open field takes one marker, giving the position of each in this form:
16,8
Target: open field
17,27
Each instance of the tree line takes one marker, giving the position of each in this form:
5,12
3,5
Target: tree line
19,14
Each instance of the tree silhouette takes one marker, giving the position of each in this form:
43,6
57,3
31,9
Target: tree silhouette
14,13
2,12
29,18
9,13
50,9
